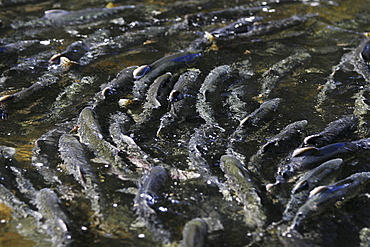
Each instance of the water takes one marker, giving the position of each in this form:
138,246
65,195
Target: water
337,29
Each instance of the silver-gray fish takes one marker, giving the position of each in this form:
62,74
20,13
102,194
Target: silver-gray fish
126,144
57,222
284,140
280,70
303,159
262,112
239,180
201,138
91,135
333,131
213,80
166,64
70,99
324,197
355,60
321,175
74,157
155,97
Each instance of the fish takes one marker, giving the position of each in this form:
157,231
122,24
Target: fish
5,98
169,63
365,53
90,134
181,97
140,71
323,198
265,157
321,175
262,112
149,188
213,81
332,132
279,70
305,158
57,222
240,180
242,25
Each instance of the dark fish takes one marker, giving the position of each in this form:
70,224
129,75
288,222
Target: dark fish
149,189
321,175
262,112
122,82
266,156
150,186
242,25
303,159
244,28
208,18
324,197
180,98
333,131
214,79
166,64
157,89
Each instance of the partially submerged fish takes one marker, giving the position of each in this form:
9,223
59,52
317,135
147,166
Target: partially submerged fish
90,134
166,64
323,198
265,157
303,159
264,110
332,132
211,83
321,175
241,182
281,69
149,188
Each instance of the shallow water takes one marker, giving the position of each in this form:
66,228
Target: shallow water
337,29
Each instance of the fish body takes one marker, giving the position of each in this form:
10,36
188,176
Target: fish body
324,197
161,66
321,175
